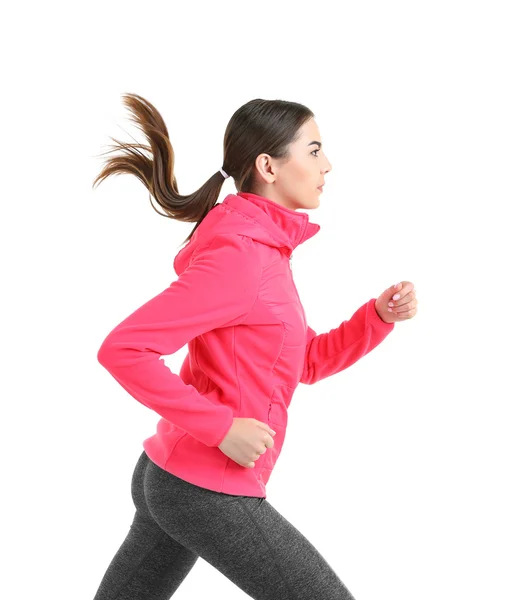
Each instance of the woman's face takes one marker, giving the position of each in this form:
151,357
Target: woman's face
295,184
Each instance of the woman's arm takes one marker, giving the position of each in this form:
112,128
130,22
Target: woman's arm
330,353
217,289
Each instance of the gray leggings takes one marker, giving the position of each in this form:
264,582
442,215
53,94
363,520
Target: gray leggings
245,538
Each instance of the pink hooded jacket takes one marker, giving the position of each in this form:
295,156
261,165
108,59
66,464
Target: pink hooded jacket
249,346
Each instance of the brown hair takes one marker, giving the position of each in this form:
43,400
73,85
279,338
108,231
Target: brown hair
259,126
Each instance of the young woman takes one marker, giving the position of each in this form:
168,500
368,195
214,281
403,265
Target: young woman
199,486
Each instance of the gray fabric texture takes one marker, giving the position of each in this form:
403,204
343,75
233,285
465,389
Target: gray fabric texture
244,537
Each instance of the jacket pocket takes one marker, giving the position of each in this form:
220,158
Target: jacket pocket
277,419
277,411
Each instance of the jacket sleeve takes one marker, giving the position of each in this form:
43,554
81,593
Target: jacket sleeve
217,289
330,353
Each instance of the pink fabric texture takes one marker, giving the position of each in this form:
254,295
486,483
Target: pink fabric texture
237,308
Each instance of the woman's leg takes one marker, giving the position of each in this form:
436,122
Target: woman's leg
149,565
245,538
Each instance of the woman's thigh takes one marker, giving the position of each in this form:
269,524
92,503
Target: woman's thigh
245,538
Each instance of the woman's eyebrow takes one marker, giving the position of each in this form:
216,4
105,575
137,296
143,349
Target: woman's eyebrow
318,143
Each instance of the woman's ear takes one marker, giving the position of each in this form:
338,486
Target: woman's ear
264,168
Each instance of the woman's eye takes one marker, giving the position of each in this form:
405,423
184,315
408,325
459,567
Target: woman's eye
318,150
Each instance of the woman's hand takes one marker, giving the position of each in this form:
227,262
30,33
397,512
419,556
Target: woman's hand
397,303
246,440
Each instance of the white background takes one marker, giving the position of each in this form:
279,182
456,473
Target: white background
394,468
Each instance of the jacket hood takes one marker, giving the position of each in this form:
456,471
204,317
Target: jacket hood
257,217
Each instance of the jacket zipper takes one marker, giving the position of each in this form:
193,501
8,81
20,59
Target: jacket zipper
295,288
292,278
